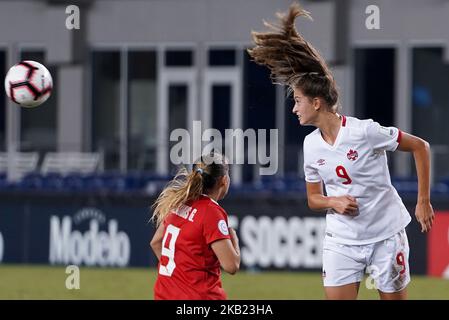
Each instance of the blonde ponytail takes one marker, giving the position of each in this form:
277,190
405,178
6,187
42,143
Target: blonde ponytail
188,186
183,188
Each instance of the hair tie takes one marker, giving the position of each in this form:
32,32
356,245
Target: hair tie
199,170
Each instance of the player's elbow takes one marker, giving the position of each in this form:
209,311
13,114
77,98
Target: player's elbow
232,268
425,145
155,245
420,145
312,204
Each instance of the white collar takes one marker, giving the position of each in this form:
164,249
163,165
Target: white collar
210,198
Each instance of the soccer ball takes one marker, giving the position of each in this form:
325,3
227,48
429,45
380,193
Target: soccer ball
28,83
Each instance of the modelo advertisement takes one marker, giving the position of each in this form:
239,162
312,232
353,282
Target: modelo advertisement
111,236
90,236
100,243
275,234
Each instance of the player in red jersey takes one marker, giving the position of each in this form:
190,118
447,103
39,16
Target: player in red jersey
193,239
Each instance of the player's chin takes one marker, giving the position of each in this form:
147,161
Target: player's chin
303,122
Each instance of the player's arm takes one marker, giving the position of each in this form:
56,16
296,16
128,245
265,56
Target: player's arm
228,252
421,152
156,242
317,201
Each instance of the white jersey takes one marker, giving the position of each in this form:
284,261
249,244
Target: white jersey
356,165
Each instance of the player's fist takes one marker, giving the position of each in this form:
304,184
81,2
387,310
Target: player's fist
346,205
424,214
234,238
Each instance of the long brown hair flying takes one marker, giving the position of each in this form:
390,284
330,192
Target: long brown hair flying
292,60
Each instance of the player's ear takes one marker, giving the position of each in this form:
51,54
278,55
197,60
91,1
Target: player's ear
316,102
222,181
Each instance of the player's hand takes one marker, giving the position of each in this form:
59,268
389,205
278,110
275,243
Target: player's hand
233,235
234,238
346,205
424,214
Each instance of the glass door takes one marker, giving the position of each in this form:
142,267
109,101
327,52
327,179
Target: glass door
222,107
177,110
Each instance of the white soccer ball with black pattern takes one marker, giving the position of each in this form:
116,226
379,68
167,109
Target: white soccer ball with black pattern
28,83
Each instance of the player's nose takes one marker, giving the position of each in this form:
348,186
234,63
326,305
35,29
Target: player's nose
295,109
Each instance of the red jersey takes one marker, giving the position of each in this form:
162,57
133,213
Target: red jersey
188,268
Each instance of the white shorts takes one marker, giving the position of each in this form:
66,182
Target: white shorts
385,261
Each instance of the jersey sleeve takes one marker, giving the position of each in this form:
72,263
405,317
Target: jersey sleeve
310,172
215,225
382,138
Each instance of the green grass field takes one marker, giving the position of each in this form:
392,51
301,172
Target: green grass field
44,282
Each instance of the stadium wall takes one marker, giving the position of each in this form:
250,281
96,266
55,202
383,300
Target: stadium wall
276,232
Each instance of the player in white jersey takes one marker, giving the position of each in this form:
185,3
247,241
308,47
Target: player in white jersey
365,217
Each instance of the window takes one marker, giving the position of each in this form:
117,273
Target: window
374,88
2,102
177,106
177,112
259,106
179,58
106,106
222,57
221,108
142,87
375,84
38,125
430,101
